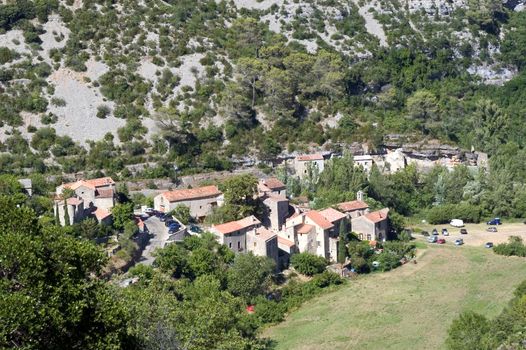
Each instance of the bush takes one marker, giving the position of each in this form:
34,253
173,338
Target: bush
103,111
515,247
308,264
444,213
326,278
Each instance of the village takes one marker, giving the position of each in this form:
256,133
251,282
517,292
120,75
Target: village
284,228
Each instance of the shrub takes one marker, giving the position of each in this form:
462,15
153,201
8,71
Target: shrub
103,111
444,213
326,278
308,264
515,247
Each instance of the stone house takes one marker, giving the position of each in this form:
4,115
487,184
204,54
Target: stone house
354,209
302,163
272,187
247,235
372,226
92,198
311,232
335,218
276,211
365,161
201,200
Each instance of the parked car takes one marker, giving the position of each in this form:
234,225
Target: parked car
195,229
169,222
149,211
164,217
491,229
175,226
488,245
495,221
463,231
445,232
425,233
434,232
432,239
441,241
457,223
459,241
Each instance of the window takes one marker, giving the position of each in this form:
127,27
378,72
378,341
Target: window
230,245
200,207
238,245
319,243
368,236
255,244
360,236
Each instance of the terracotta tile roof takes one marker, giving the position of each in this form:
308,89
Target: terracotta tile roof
286,242
332,215
101,214
303,228
233,226
93,183
319,219
274,183
104,193
264,234
353,205
191,193
309,157
74,201
377,216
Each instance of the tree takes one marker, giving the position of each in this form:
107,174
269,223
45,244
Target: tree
249,276
423,106
66,194
469,332
182,213
308,264
342,242
122,213
51,296
239,192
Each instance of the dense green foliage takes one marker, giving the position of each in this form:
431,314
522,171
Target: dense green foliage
308,264
506,331
515,247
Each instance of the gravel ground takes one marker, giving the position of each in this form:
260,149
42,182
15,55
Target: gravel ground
477,234
78,118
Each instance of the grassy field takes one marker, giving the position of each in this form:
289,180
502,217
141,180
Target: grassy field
408,308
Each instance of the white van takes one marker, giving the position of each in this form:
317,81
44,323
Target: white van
457,223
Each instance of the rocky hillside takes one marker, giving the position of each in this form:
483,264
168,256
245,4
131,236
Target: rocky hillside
198,82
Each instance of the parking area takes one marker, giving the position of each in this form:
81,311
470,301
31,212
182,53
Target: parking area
477,233
159,237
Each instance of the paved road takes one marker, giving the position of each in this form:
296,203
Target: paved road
159,237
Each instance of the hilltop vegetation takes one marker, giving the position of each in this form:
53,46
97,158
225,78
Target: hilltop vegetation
225,81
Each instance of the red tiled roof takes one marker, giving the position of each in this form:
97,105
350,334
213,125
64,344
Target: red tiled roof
332,215
101,214
264,234
104,193
377,216
285,241
303,228
319,219
273,183
353,205
93,183
74,201
309,157
233,226
192,193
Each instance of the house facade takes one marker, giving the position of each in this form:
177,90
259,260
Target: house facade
276,211
201,200
303,162
272,187
247,235
372,226
365,161
91,198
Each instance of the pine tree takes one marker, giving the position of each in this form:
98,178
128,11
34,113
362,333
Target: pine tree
342,243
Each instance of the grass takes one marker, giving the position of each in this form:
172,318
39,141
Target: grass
408,308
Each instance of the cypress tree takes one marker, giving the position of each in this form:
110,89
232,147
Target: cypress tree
342,243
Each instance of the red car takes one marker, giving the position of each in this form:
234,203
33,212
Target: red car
441,241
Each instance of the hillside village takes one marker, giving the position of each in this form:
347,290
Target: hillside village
282,229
